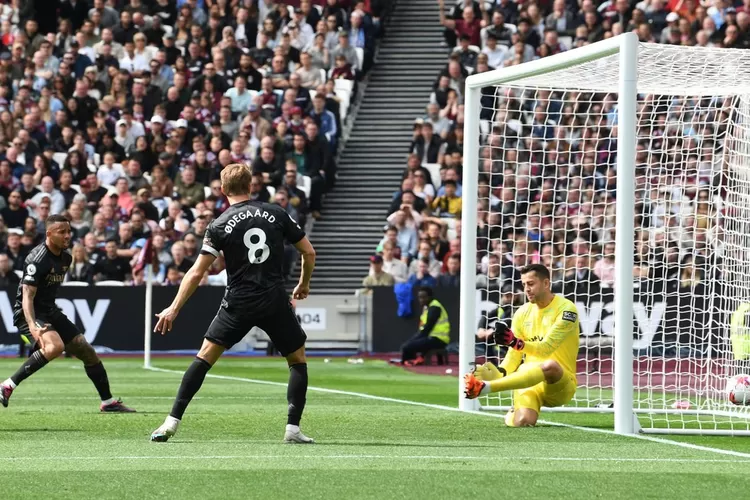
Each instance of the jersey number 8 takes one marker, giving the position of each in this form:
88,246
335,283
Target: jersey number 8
258,246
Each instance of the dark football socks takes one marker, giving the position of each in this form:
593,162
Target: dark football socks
296,392
98,376
32,365
191,384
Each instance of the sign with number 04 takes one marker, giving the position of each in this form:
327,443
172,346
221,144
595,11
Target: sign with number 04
312,318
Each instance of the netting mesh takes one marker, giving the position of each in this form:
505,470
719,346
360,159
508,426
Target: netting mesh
547,191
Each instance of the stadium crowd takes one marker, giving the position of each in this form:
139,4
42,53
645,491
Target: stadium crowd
548,177
121,114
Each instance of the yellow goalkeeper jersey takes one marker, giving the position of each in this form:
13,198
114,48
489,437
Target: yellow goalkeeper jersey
549,333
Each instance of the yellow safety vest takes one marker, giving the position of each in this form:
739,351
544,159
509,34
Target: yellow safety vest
442,329
739,334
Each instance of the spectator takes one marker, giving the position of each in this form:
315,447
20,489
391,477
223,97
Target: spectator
377,276
448,205
112,266
392,265
80,268
452,277
425,253
422,277
15,213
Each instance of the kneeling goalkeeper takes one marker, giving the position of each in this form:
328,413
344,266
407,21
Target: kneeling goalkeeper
544,336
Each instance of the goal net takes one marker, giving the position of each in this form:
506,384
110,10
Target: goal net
549,181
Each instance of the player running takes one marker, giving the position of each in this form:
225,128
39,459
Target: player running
544,335
251,234
38,319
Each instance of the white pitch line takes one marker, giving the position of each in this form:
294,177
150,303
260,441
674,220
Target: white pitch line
485,414
382,457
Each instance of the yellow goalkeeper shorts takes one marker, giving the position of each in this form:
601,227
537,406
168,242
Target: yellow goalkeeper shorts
544,394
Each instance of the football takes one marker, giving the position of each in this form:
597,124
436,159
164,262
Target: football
738,390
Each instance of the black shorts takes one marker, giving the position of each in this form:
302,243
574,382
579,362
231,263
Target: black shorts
60,324
232,323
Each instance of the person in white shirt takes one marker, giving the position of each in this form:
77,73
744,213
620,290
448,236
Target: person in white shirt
495,53
108,172
132,61
57,201
392,266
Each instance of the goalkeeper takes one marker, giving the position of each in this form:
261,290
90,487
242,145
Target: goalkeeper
544,336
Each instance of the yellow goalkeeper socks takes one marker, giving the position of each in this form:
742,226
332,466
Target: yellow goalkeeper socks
517,380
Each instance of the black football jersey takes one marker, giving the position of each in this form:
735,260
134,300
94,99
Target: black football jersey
252,234
46,271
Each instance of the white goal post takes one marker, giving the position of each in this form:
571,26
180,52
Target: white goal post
664,314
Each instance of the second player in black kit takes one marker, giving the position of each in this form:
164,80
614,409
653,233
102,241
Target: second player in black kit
251,236
41,322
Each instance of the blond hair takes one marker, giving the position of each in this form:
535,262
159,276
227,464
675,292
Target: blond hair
235,179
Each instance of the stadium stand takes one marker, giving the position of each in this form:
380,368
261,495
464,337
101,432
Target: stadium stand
480,37
122,113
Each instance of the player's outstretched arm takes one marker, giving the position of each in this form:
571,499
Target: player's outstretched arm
306,250
187,288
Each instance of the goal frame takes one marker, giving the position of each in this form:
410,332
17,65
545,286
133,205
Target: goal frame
626,46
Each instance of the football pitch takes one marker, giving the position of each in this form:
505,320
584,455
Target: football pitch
403,441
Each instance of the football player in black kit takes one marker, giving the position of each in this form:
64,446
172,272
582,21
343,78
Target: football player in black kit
40,321
251,234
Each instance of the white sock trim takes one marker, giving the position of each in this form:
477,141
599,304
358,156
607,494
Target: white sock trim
9,383
109,401
171,421
292,428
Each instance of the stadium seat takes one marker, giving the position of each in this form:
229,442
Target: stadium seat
76,283
110,283
360,57
319,8
76,187
304,183
434,169
206,191
59,158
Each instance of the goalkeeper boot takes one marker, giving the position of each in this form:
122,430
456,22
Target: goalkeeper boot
166,430
294,435
472,386
487,372
5,392
115,407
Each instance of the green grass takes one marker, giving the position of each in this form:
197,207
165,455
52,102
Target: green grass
55,444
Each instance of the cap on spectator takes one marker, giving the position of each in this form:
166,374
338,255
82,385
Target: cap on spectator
142,191
252,108
296,110
165,156
342,34
216,123
196,94
74,43
672,17
465,37
91,69
298,11
157,119
167,36
181,123
5,56
16,231
122,123
376,259
730,10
